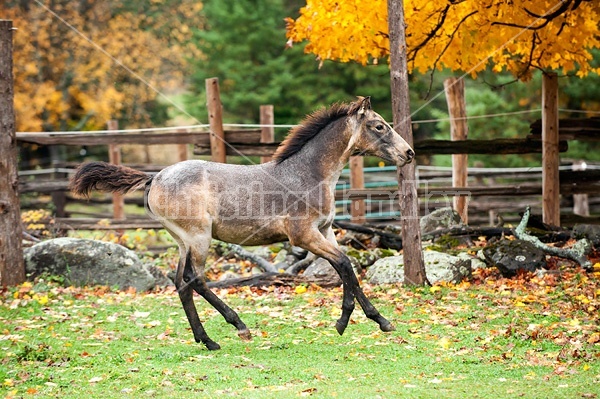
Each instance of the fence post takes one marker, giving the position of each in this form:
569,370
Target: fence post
455,97
114,157
267,133
581,205
215,120
12,268
59,198
357,181
550,156
182,149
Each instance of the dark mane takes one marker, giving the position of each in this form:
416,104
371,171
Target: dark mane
310,127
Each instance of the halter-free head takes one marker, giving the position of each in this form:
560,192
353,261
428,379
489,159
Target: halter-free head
372,135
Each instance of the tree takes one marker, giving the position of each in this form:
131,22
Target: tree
414,270
242,43
516,36
63,80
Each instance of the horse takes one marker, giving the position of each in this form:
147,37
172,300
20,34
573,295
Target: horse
289,198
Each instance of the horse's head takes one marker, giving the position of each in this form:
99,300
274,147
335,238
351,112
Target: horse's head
372,135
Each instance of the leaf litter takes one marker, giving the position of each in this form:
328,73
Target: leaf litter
548,323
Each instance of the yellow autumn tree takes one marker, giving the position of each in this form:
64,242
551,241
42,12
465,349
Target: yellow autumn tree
467,35
66,76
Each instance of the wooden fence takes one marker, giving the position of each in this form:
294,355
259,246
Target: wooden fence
358,197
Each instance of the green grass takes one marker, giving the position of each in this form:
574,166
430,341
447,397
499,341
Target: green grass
471,341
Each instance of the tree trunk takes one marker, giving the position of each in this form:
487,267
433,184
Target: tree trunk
12,269
414,268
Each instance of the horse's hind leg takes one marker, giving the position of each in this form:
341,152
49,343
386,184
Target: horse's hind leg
186,295
199,285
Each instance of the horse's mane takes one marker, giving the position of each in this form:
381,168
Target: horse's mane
310,127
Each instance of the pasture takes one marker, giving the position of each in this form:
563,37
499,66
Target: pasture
530,337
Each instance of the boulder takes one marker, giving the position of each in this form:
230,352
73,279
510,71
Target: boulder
439,267
441,218
322,270
365,257
589,231
512,256
89,262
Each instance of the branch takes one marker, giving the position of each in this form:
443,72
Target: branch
431,33
549,17
546,17
269,279
242,253
578,252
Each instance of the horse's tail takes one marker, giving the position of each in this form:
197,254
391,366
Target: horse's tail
106,177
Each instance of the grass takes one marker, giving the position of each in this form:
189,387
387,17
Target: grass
530,338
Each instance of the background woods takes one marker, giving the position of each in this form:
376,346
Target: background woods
64,80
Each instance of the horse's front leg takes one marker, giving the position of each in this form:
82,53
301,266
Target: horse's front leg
370,311
327,248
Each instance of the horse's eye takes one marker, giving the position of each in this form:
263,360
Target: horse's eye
379,127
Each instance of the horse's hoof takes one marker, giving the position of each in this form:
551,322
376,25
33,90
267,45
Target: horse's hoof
245,335
387,327
212,346
340,327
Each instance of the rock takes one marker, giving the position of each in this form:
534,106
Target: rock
439,267
589,231
231,267
299,253
512,256
364,258
262,251
229,275
476,261
441,218
89,262
161,280
280,257
322,269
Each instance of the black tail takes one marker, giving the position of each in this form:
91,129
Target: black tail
106,177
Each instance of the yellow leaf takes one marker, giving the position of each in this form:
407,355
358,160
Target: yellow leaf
301,289
444,343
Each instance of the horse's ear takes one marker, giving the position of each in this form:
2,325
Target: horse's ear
365,104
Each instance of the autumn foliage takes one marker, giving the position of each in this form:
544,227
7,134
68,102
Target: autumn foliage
516,36
65,52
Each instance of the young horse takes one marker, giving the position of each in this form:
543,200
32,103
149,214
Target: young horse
290,198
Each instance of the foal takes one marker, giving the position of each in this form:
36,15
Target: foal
290,198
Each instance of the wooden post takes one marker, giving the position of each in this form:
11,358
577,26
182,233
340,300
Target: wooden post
59,198
267,133
182,150
12,267
357,181
215,120
457,108
414,267
114,157
581,205
550,157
